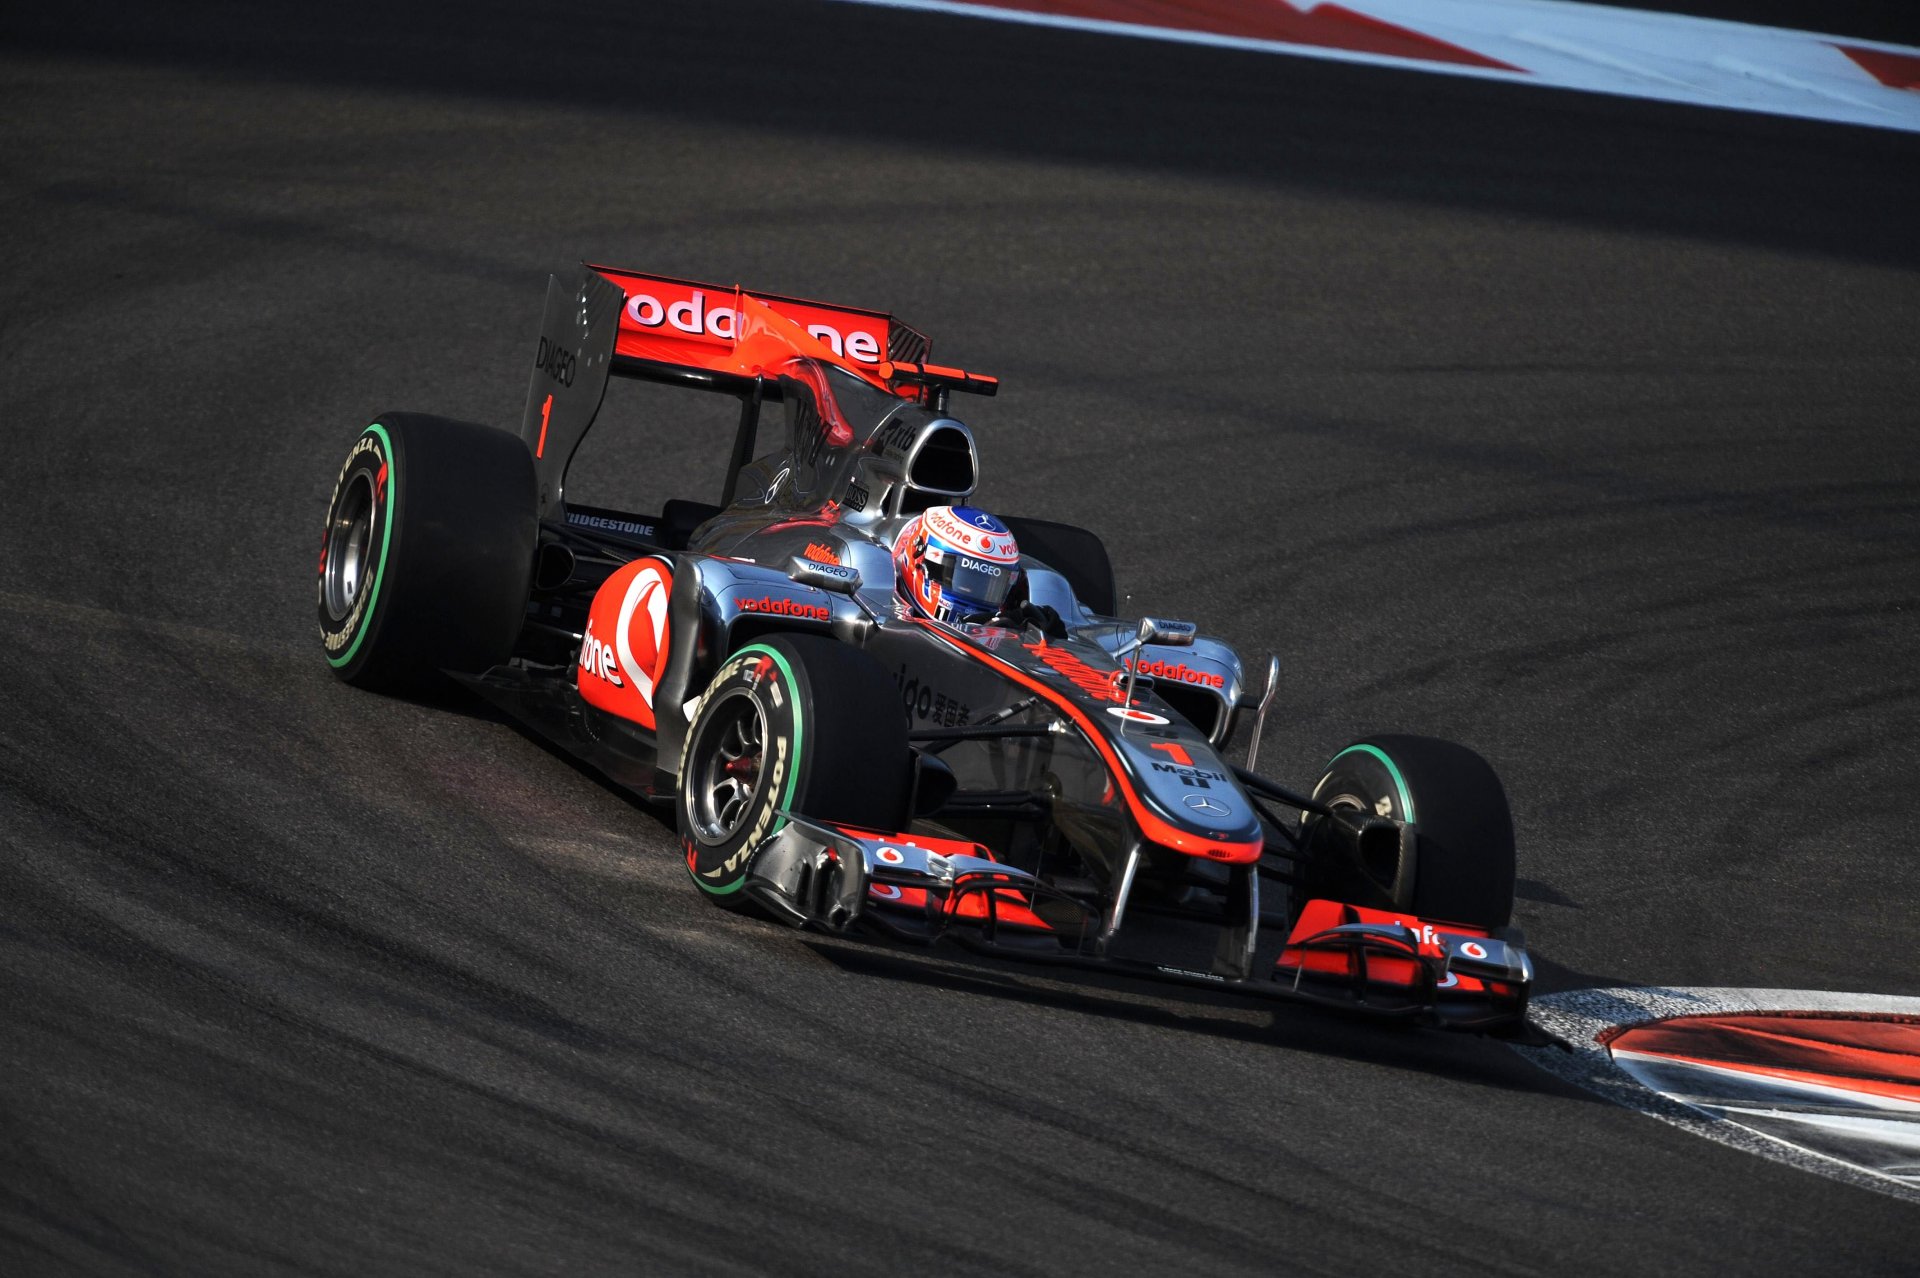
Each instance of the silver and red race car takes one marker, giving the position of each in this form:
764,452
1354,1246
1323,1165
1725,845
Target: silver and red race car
1032,776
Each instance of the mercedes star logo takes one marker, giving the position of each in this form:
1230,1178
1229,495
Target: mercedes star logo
1201,803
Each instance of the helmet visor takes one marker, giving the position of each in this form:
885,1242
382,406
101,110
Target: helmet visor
977,585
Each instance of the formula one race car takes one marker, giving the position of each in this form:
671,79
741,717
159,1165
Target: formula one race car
874,705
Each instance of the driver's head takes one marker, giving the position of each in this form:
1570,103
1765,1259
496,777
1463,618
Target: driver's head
956,563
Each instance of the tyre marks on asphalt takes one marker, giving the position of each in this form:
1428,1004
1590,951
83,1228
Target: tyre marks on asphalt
1826,1082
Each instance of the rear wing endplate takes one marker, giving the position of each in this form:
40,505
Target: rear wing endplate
570,368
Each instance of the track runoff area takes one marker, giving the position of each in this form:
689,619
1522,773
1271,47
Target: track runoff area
1826,1082
1633,53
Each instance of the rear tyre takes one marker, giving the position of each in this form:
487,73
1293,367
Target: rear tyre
427,553
791,723
1462,869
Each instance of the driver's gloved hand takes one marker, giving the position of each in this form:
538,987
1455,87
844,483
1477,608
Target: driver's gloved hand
1040,617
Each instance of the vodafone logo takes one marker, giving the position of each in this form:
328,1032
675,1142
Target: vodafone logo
940,519
598,660
1423,932
984,535
1474,950
624,648
859,346
640,648
689,314
892,856
1135,716
1178,673
784,607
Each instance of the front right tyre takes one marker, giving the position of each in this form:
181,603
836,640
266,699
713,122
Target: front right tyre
1462,868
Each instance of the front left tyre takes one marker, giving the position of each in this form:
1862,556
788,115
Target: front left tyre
790,724
426,558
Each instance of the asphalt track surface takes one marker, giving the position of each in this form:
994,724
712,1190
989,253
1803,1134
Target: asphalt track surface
1578,429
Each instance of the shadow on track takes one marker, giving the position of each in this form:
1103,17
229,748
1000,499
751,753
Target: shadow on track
1323,1032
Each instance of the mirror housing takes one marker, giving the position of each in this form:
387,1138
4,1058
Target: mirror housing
1164,630
835,579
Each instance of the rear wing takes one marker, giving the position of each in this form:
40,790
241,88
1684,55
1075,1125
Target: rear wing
680,324
607,322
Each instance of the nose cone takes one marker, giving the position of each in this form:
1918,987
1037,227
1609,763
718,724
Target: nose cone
1186,782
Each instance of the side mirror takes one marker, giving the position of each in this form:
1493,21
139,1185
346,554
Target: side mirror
1176,634
837,579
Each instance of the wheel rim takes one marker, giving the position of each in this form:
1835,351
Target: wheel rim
727,777
349,547
1350,797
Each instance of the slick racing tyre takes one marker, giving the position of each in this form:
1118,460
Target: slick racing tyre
427,554
791,723
1462,866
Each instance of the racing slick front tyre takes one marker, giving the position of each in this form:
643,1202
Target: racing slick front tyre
427,554
791,723
1462,869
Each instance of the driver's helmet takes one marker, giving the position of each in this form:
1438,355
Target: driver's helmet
956,563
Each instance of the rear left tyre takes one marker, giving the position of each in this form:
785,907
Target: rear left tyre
426,557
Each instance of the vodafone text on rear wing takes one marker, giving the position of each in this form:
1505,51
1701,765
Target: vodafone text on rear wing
607,322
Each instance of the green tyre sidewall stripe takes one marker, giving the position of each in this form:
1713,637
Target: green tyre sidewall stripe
1393,770
793,773
390,510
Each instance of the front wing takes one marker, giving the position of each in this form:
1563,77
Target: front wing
923,890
